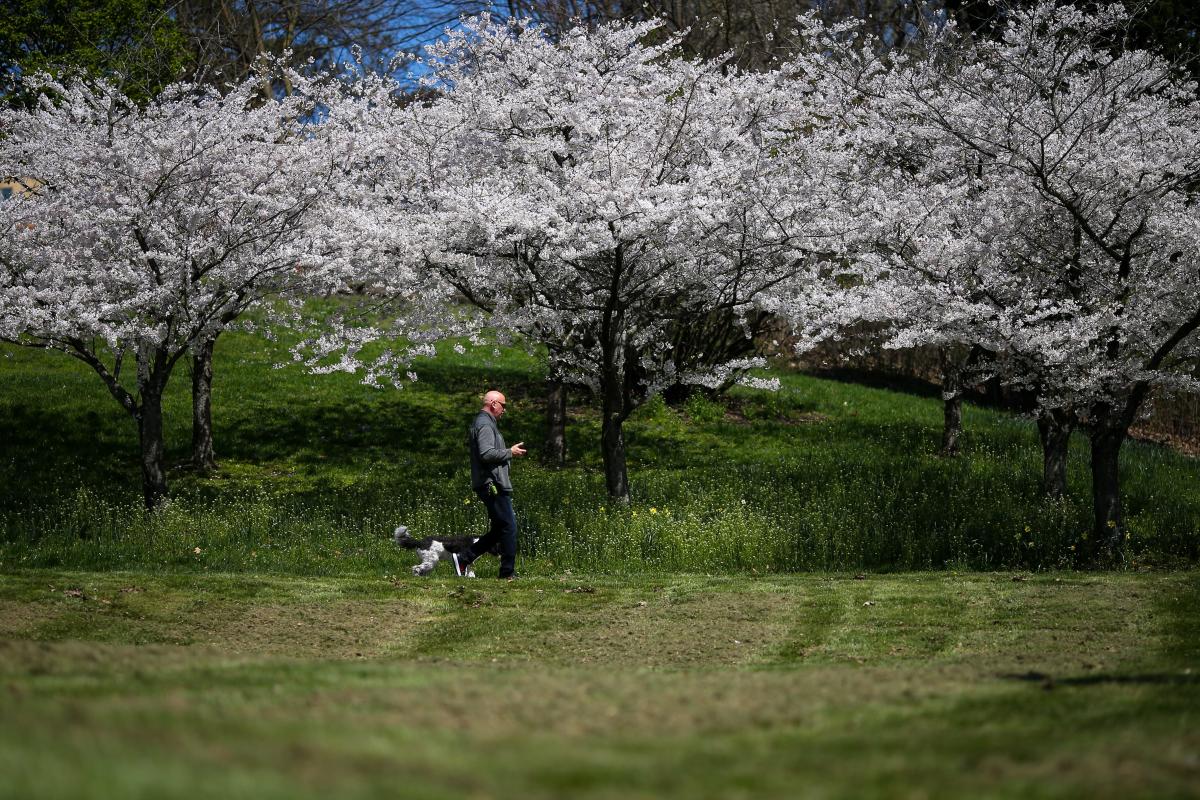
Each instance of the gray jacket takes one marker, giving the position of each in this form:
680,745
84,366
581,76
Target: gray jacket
489,455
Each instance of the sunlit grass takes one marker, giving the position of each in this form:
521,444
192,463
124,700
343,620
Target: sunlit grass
124,684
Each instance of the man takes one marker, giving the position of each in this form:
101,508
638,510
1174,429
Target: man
489,478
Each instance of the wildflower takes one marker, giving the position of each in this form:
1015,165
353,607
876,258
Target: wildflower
196,551
653,510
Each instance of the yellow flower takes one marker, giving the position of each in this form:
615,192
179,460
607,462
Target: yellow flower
653,510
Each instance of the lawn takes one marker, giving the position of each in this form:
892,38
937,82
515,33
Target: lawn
802,600
130,685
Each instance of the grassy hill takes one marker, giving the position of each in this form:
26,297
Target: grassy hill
317,470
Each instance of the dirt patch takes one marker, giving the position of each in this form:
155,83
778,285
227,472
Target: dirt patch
1189,445
17,618
717,629
346,629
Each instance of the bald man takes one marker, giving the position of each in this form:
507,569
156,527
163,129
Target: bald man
489,478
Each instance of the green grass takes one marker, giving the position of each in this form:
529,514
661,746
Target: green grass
142,684
262,637
317,470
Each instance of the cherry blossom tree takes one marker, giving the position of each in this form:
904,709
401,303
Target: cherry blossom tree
153,228
1046,211
594,190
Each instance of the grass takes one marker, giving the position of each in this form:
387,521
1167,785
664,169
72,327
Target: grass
748,627
900,685
317,470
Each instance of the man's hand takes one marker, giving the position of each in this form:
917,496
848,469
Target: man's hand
517,449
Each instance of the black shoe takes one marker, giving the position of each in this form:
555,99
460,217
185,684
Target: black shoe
512,576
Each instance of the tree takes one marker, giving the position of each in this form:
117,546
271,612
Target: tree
227,37
134,44
1076,216
755,34
152,228
140,46
593,190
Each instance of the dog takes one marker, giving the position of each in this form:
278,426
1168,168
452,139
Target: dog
433,550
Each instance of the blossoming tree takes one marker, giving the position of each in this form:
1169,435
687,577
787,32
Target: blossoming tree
601,189
153,228
1047,212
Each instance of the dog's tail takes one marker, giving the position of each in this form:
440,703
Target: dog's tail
401,537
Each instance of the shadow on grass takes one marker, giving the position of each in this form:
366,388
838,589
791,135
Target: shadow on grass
56,439
1146,679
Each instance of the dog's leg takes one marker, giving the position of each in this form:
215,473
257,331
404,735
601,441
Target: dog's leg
429,558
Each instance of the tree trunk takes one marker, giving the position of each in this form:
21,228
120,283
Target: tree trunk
1054,429
951,404
203,456
554,453
612,442
150,437
612,437
612,387
1108,525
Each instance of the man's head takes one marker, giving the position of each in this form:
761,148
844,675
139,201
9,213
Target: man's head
494,403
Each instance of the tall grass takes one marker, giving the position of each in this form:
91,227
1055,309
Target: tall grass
317,471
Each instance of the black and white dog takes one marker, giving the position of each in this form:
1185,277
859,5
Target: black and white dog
433,550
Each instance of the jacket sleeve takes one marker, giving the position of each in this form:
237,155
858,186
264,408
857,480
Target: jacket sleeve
486,445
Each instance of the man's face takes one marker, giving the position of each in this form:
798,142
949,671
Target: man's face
497,406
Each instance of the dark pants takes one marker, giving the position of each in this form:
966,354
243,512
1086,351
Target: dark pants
502,531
